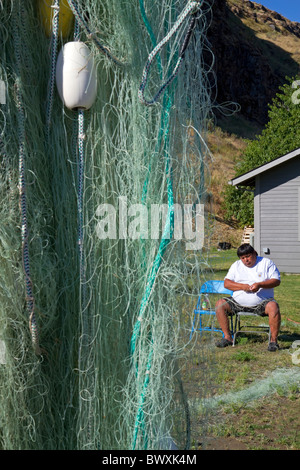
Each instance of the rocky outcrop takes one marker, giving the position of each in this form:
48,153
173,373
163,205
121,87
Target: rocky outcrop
263,15
245,68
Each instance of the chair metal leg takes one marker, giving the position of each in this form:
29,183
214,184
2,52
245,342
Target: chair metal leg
236,328
258,329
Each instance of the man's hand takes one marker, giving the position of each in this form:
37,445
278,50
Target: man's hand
232,285
246,287
255,287
251,288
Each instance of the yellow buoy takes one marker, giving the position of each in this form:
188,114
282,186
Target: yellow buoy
66,17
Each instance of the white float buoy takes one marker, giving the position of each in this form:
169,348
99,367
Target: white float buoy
76,79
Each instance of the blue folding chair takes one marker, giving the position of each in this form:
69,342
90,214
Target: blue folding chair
207,292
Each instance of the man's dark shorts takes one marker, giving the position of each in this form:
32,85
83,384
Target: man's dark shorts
258,309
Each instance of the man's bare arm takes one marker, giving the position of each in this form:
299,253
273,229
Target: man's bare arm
232,285
268,284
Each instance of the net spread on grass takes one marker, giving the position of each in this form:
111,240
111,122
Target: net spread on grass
91,328
279,379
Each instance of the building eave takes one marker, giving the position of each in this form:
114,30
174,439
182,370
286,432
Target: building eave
248,179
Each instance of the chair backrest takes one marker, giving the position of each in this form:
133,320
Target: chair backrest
214,287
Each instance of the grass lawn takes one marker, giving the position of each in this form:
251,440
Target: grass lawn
256,393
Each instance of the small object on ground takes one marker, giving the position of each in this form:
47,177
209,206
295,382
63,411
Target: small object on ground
224,246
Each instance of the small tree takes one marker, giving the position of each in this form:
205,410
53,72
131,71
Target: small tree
280,136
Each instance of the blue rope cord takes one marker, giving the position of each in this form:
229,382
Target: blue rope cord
85,332
80,179
54,42
86,327
22,192
192,7
74,7
81,138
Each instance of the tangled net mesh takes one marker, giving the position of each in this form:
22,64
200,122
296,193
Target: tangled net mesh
93,328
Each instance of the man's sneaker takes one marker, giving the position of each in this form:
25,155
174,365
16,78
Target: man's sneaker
223,343
273,346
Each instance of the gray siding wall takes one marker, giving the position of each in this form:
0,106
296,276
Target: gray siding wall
277,215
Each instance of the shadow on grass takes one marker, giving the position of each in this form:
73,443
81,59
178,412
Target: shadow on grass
289,337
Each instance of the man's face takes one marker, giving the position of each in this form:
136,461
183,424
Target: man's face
248,260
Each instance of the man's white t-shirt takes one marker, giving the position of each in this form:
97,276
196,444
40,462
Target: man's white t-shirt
263,269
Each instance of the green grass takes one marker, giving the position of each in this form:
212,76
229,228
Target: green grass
288,296
220,262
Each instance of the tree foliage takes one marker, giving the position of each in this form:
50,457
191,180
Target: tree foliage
280,136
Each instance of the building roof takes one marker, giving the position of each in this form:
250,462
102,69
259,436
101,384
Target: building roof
248,179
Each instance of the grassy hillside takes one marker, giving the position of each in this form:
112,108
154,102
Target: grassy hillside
226,150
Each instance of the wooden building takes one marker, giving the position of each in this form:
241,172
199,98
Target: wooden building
276,187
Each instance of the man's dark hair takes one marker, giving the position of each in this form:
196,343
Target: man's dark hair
245,249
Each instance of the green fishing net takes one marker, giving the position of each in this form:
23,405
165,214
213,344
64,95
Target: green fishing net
91,325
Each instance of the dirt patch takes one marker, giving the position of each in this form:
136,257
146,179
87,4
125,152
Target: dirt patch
229,443
272,424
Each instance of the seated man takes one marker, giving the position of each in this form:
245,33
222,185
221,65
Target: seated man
252,279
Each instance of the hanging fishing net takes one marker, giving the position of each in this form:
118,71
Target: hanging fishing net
99,211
